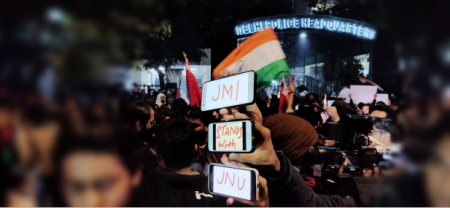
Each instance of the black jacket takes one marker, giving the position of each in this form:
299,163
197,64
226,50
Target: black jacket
161,188
289,189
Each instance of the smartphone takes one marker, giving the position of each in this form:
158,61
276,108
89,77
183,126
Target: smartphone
229,91
233,182
231,136
330,101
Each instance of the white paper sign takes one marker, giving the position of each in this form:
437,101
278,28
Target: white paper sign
229,136
229,91
362,93
232,182
383,98
344,94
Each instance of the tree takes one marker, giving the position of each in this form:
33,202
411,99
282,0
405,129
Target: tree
165,49
342,71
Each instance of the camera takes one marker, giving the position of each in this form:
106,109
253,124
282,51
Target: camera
337,177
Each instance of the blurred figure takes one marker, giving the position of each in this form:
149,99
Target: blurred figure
98,172
180,108
140,115
176,184
160,99
366,109
382,133
200,120
437,174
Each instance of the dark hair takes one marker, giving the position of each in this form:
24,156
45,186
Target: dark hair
309,115
161,113
205,116
387,126
381,102
176,144
180,108
138,110
123,144
342,107
360,105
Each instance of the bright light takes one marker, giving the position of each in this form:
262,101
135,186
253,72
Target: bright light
55,15
303,35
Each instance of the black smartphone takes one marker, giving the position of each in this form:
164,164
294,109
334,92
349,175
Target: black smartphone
231,136
234,182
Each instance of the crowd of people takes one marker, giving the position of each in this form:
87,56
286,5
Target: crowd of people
114,148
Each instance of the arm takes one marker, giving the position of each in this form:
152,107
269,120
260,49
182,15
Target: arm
291,95
352,104
374,102
289,189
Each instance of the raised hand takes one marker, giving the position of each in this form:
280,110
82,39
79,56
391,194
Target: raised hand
263,199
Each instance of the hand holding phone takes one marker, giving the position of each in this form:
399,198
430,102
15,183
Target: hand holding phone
241,183
234,136
264,156
230,91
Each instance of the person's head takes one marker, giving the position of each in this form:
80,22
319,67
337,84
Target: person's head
310,115
180,108
311,102
384,130
200,120
291,134
437,173
360,105
140,115
381,103
98,171
162,113
342,107
366,109
160,99
176,144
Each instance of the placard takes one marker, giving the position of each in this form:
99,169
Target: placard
362,93
229,136
344,94
383,98
232,182
229,91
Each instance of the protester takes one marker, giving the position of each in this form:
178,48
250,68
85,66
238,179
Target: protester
160,100
285,185
140,115
99,171
383,134
176,184
179,108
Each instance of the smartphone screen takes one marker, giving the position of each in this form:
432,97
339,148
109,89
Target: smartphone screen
229,91
232,136
330,103
234,182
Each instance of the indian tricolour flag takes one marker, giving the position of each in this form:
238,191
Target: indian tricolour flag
261,53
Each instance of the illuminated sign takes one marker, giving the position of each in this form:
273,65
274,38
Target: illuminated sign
317,22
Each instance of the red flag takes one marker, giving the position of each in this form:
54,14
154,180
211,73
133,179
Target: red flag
364,80
194,91
283,95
